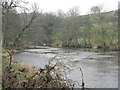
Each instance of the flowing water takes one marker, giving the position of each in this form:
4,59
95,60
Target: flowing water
100,69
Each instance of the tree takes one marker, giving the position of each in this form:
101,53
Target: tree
69,31
11,27
8,7
100,17
85,30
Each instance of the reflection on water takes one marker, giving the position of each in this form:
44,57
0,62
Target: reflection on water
100,68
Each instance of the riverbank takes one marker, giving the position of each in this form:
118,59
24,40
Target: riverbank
23,76
115,48
106,48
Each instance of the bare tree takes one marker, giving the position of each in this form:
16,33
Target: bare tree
9,6
34,15
74,11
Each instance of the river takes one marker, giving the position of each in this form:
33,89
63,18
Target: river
100,69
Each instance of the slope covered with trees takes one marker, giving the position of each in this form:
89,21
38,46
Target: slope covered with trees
95,30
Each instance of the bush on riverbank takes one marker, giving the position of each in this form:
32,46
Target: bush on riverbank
24,76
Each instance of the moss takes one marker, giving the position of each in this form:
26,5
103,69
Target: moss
21,75
5,61
4,51
16,67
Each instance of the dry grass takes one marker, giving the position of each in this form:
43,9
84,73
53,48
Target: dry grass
30,71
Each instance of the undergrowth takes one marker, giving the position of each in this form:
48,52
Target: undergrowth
24,76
